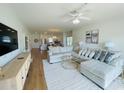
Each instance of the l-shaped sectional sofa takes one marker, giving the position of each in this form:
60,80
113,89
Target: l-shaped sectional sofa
100,66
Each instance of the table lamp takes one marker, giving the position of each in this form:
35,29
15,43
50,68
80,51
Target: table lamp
109,45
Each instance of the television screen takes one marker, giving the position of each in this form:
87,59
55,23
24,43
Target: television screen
8,39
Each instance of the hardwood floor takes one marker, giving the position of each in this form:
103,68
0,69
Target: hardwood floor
36,79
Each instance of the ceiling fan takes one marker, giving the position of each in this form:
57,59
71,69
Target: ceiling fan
75,15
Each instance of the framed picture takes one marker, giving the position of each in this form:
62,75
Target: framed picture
88,37
95,36
92,36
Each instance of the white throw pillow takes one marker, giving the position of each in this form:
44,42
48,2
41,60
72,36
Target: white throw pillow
92,54
87,53
80,52
85,50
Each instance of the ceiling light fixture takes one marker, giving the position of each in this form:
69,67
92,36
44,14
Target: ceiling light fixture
76,21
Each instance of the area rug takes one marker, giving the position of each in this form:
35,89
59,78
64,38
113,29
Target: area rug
58,78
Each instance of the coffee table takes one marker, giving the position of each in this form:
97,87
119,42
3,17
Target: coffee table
70,62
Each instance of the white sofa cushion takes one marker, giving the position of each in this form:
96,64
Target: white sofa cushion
56,49
100,69
100,72
63,49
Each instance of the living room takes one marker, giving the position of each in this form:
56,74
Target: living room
82,41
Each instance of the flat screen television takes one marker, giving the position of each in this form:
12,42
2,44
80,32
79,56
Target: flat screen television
8,39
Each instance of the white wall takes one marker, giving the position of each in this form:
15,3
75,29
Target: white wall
32,38
8,17
112,30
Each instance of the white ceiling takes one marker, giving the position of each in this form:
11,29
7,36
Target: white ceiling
41,17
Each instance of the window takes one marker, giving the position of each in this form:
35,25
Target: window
69,41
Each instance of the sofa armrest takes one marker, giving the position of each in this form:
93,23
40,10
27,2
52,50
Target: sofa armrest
50,53
74,54
118,62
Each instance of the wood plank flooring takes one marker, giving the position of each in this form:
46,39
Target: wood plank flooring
36,79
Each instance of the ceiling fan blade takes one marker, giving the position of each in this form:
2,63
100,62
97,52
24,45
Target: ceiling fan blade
80,15
81,7
69,19
85,18
73,13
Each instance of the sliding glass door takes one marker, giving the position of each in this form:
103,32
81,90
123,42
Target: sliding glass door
69,41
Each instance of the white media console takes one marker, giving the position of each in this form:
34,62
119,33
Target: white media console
15,72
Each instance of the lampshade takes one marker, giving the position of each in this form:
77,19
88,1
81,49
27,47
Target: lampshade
76,21
109,44
50,39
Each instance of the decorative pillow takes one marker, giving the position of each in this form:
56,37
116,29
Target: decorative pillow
102,55
97,54
80,52
107,59
87,53
84,52
92,54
